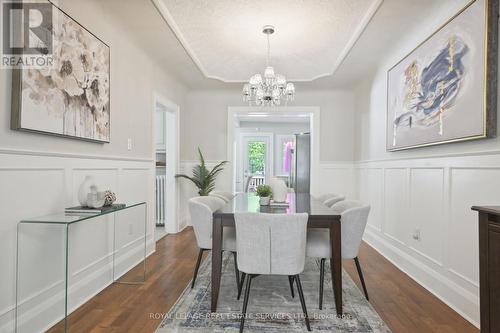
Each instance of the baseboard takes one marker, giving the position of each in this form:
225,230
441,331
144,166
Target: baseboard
460,300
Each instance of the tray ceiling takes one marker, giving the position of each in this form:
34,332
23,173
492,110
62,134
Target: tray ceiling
225,40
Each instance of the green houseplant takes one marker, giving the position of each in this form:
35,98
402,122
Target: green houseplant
264,192
203,179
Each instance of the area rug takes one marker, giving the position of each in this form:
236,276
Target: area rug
271,307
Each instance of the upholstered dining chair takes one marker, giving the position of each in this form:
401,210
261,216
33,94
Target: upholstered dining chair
333,200
226,196
201,210
271,244
354,216
330,198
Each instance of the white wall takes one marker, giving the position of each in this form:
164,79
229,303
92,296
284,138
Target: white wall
428,189
206,117
40,174
204,125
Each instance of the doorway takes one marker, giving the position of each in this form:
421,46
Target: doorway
271,133
256,160
166,156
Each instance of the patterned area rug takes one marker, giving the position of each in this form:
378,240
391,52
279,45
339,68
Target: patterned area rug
271,307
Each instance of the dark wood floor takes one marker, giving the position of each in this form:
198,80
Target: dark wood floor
403,304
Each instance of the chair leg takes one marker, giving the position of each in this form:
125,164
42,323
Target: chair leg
236,271
290,280
200,254
321,282
302,301
245,302
243,275
360,273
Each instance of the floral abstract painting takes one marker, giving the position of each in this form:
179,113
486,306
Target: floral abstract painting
436,94
71,97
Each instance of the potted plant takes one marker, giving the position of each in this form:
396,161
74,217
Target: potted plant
264,192
203,179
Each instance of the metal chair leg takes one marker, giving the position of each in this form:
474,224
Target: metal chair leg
200,254
321,282
243,275
236,271
290,280
302,301
245,302
360,273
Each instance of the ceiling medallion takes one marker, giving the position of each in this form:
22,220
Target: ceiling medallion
268,89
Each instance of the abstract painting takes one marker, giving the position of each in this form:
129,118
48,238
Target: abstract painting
72,97
439,93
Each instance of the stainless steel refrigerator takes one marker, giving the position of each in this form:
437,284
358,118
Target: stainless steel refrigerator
301,166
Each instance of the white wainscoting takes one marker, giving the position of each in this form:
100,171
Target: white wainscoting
432,196
39,183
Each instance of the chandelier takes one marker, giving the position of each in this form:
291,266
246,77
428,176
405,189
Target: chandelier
268,89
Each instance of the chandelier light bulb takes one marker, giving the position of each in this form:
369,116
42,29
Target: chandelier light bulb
269,72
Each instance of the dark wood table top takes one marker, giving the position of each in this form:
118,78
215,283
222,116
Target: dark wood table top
297,203
495,210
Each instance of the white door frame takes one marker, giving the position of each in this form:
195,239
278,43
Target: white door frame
172,149
313,112
268,138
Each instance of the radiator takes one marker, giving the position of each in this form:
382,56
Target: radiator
160,200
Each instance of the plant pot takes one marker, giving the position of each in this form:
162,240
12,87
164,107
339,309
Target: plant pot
265,201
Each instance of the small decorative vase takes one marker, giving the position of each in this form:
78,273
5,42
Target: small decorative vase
109,198
280,190
264,201
84,189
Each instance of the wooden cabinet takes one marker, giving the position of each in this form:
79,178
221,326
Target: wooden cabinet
489,267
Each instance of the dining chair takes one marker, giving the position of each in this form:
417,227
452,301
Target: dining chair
325,197
333,200
271,244
226,196
201,210
354,215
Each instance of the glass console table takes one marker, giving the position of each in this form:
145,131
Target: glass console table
62,259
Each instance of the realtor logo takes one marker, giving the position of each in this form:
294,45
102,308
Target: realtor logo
27,38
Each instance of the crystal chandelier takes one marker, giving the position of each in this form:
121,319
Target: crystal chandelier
271,88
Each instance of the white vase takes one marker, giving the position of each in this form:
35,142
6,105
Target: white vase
265,201
279,188
84,189
95,199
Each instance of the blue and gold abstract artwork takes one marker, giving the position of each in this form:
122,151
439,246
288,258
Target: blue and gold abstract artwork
436,94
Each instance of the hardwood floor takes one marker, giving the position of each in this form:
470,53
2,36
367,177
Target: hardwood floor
403,304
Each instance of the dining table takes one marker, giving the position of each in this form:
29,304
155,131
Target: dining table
320,216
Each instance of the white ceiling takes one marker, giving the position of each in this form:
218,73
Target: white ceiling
225,40
142,23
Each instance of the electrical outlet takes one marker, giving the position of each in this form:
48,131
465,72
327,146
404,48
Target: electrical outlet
416,235
129,144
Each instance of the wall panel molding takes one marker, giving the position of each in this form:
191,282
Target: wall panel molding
50,181
7,151
440,190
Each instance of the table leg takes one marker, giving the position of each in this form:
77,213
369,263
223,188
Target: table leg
336,264
216,261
